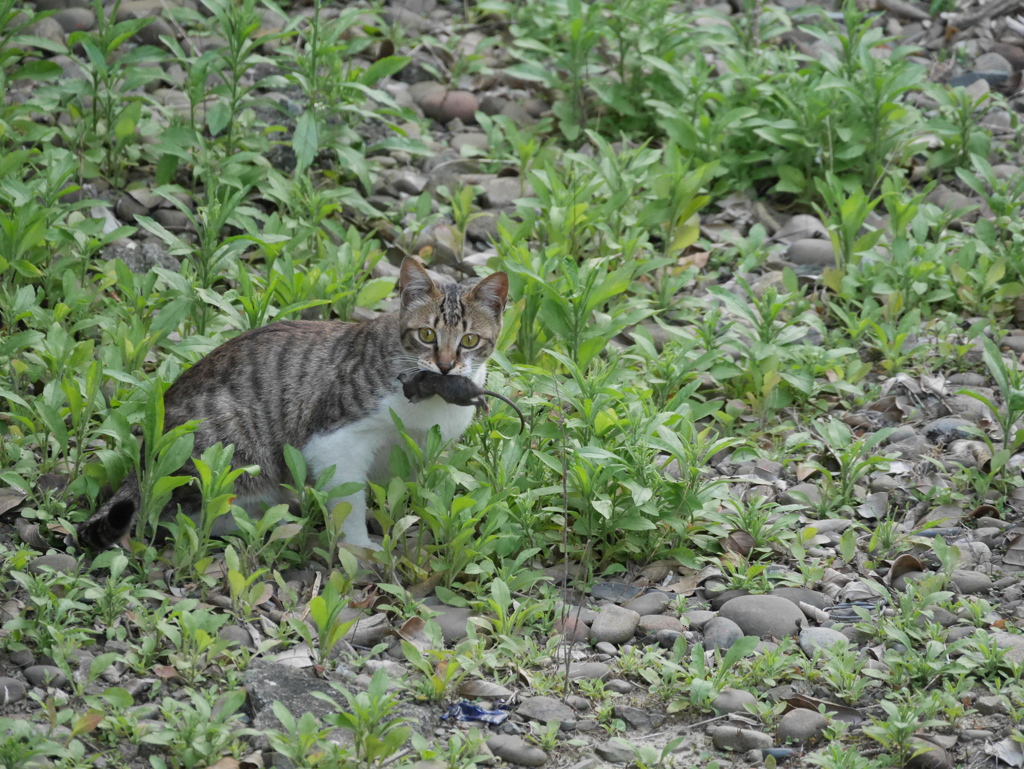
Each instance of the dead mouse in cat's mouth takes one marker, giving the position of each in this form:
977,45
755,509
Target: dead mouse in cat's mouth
457,390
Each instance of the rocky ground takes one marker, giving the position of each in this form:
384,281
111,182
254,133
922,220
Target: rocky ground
866,577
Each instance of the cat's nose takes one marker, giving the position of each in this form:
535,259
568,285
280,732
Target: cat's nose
445,366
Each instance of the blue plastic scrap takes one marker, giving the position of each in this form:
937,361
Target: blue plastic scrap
467,711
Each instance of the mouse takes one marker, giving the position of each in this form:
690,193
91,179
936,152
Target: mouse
457,390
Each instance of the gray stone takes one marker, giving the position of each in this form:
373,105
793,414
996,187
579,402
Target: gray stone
934,757
483,227
140,258
606,648
75,19
992,62
801,725
698,618
635,717
11,690
445,106
236,635
763,615
369,631
59,562
721,633
667,638
800,595
618,685
971,582
593,671
654,602
814,638
503,191
516,750
22,657
46,675
614,752
816,252
655,623
267,682
739,740
614,624
947,429
545,709
453,621
475,141
733,701
992,705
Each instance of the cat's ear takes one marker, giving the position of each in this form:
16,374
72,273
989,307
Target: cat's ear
492,293
415,284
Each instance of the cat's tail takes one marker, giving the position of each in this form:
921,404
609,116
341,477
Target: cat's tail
114,519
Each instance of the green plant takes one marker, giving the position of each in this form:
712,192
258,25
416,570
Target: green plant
378,732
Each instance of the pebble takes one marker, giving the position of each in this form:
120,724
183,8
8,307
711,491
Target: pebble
698,618
591,671
801,725
614,624
45,675
739,740
545,709
474,141
574,630
445,106
606,648
618,685
75,19
453,621
59,562
992,62
805,595
976,735
992,705
814,638
721,633
732,701
614,752
934,757
762,615
654,623
816,252
11,690
971,582
237,635
516,750
22,657
504,191
667,638
652,603
635,717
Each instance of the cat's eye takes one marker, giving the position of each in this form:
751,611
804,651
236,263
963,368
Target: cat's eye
427,335
470,340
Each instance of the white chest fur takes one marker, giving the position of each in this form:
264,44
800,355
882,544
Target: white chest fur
361,450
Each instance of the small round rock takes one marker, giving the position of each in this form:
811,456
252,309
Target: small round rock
516,750
721,633
45,675
733,701
614,624
11,690
801,725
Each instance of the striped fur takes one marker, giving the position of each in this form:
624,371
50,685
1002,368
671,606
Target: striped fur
312,384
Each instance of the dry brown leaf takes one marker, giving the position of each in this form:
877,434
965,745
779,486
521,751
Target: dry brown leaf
414,631
1015,551
164,671
225,763
904,563
803,472
739,542
10,498
425,587
698,259
29,533
984,511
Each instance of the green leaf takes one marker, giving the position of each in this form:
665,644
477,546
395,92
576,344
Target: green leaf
305,141
218,117
37,70
383,68
374,291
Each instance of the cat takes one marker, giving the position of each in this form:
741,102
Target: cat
327,388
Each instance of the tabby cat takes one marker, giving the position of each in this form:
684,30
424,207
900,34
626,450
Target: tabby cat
326,388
